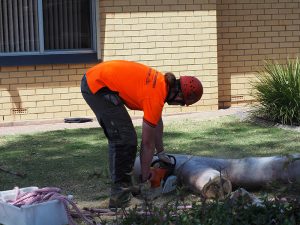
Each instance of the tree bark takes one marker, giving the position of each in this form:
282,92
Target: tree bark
214,177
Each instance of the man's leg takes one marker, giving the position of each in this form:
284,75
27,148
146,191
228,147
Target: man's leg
119,130
122,149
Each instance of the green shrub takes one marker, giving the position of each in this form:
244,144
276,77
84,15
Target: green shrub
277,211
278,92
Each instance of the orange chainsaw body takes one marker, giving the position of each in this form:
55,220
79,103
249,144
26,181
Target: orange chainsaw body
158,174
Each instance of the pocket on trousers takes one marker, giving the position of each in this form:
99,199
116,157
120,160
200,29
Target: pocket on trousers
113,133
113,98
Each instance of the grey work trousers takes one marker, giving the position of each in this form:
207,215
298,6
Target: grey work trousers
118,128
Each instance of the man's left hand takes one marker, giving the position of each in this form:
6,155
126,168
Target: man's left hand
164,157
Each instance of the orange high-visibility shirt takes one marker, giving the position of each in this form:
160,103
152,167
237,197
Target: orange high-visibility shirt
141,87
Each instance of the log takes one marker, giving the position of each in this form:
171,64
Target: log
215,177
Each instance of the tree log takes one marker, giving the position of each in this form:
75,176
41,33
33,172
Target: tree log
214,177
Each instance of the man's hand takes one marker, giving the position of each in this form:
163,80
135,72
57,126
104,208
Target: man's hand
164,157
145,190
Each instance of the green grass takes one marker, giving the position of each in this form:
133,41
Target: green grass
229,138
77,160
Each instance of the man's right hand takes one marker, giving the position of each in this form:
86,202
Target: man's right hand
145,190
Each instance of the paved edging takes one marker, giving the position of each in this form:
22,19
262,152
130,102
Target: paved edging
27,127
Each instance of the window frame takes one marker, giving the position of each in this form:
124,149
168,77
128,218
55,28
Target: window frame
55,56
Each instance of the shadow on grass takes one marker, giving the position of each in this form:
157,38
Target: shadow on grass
74,160
232,139
77,160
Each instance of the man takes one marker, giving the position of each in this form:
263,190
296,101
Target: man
110,85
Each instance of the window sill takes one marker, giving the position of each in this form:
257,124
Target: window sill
26,60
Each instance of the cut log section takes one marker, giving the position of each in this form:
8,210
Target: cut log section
215,177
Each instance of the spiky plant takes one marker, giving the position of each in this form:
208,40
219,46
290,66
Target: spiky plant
277,91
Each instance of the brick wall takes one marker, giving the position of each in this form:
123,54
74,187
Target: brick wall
249,32
170,35
222,42
41,92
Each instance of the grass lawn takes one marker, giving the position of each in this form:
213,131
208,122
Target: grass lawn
77,160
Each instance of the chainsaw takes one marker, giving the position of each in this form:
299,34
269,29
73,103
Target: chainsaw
163,179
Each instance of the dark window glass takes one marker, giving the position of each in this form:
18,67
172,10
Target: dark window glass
66,24
19,26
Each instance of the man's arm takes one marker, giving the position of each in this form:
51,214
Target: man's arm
159,145
159,129
147,149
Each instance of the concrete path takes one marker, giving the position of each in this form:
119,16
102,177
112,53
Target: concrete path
41,126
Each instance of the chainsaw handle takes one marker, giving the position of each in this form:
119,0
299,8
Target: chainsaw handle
160,161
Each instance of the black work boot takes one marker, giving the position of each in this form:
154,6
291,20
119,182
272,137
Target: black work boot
120,196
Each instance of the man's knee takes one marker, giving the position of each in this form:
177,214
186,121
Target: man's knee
130,138
121,136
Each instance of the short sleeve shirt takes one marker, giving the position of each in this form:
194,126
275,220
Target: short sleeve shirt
141,87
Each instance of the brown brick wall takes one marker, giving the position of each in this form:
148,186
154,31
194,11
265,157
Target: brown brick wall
249,32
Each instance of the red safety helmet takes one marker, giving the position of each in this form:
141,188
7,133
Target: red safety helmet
191,88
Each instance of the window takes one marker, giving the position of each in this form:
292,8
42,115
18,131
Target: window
47,31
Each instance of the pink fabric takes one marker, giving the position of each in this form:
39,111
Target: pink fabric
48,194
